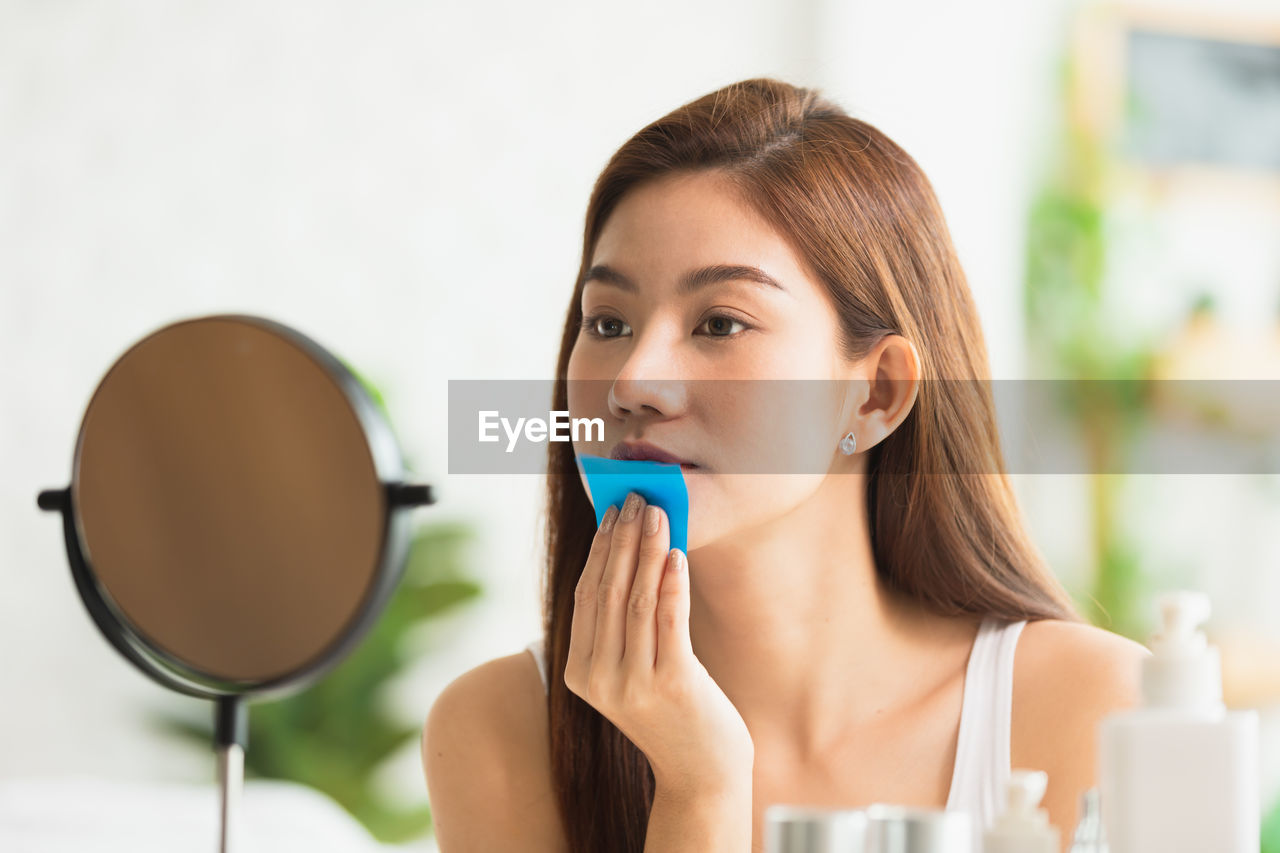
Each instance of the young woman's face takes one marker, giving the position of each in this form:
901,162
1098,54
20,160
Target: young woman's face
687,370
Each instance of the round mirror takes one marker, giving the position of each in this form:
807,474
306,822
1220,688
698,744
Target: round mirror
236,515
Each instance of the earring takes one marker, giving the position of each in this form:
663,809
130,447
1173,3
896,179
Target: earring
848,444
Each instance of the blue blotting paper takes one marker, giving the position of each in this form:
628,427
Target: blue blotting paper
659,483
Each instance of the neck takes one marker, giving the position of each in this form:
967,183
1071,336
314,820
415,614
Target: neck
795,625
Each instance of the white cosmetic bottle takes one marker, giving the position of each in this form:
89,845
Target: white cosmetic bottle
1180,774
1023,827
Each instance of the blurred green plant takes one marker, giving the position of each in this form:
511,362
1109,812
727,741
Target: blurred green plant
1271,830
336,734
1072,336
1072,342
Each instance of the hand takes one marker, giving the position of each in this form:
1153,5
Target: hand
631,659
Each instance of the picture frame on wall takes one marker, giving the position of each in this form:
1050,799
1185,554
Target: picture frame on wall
1180,94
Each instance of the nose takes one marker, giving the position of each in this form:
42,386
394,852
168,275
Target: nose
649,382
651,396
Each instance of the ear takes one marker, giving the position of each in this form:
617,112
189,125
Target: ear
883,389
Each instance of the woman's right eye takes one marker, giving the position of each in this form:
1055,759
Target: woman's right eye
589,324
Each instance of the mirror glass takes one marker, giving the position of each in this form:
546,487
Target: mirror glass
228,501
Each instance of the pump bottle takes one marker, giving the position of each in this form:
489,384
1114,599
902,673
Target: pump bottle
1180,774
1022,828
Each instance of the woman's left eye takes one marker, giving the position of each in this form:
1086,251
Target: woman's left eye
727,319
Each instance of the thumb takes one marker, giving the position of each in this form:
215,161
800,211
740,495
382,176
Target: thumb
674,645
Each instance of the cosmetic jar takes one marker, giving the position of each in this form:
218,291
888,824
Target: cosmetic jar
902,829
804,829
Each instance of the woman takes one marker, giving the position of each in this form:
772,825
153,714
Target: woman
840,635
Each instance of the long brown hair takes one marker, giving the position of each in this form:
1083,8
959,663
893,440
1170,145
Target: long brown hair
861,214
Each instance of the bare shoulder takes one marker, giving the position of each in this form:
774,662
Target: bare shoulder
486,757
1075,664
1067,676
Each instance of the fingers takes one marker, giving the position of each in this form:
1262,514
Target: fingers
630,613
674,645
583,632
615,585
642,629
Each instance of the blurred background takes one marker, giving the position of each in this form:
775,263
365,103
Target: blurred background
406,182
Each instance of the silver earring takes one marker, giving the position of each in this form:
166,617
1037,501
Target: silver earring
848,444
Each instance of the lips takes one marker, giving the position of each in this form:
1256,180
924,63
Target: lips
634,450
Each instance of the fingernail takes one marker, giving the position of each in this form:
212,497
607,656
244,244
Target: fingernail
631,507
651,520
610,516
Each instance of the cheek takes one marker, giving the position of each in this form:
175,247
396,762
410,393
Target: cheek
727,506
773,445
588,398
582,364
574,368
779,427
588,361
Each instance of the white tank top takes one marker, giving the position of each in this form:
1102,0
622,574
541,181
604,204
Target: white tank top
982,749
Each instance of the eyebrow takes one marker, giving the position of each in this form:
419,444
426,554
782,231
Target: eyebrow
691,281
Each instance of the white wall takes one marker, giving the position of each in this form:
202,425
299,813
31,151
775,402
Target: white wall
405,182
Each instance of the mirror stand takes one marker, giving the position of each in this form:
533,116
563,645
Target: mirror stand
231,716
231,732
237,517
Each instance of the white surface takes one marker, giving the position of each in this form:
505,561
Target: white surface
404,182
79,814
